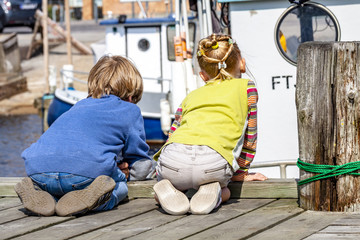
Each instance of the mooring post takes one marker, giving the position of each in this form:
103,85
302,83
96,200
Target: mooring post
328,111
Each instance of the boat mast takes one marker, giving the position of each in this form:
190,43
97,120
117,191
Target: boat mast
45,45
68,32
208,17
177,18
200,18
204,17
185,24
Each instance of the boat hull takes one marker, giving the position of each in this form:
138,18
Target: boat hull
56,109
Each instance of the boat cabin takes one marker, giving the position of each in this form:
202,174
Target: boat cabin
268,34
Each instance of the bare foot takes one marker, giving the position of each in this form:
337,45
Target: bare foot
225,194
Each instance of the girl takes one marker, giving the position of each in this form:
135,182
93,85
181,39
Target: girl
213,137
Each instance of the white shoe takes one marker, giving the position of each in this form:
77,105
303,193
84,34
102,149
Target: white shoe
171,200
206,199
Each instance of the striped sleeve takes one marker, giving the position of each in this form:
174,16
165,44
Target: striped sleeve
177,121
250,139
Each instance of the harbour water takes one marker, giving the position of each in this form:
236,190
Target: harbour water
16,134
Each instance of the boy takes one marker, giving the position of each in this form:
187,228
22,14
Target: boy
73,167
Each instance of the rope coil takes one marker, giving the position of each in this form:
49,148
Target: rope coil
327,171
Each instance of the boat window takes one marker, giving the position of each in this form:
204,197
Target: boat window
143,44
170,33
303,23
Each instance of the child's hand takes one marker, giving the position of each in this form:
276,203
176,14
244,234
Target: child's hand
255,177
124,167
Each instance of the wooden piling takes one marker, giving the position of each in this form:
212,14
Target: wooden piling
328,111
12,80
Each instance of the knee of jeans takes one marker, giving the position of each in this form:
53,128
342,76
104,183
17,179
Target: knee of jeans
118,176
119,193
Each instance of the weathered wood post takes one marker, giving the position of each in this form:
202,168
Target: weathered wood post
328,110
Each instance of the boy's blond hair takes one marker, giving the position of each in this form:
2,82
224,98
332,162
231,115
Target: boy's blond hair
115,75
218,56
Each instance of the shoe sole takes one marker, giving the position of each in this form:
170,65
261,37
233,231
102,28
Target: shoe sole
36,201
81,201
171,200
205,199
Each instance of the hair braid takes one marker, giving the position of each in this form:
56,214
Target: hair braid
217,49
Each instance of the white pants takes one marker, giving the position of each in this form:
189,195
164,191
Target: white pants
190,166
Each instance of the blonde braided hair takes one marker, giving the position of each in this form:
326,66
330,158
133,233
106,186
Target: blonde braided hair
218,56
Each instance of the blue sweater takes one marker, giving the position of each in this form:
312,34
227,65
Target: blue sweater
89,139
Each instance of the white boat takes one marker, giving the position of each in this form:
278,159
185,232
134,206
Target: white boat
268,33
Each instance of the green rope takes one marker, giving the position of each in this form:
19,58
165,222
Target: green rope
327,171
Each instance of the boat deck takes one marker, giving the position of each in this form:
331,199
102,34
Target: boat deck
257,210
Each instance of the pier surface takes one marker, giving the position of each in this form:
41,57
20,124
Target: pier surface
257,210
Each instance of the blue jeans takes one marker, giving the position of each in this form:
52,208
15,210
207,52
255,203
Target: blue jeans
58,184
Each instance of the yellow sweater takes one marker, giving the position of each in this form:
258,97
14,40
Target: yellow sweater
215,115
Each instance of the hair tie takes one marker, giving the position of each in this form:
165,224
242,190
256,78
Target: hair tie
230,41
200,52
222,65
215,46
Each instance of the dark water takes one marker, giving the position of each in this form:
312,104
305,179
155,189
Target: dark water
16,134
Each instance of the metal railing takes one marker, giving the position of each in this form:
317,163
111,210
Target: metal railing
282,164
67,78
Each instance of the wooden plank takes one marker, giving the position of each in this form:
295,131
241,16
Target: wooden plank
9,202
33,41
12,180
141,189
192,224
7,186
63,33
299,227
68,32
142,219
137,189
131,227
11,214
253,222
325,236
29,224
91,222
341,229
272,188
352,220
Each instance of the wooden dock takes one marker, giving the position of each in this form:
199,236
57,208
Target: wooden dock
257,210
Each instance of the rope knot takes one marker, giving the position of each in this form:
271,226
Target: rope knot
327,171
